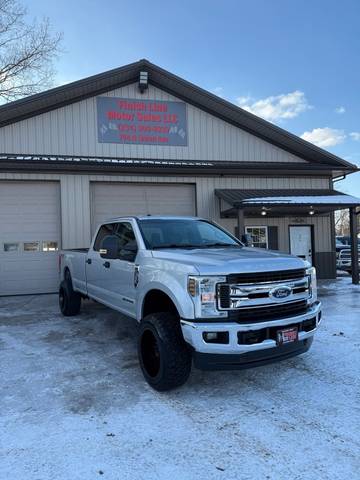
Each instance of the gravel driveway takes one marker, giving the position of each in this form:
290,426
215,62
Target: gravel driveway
74,405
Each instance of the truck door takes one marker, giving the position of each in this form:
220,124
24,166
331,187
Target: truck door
112,279
97,276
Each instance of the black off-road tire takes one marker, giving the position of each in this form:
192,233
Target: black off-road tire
69,300
164,356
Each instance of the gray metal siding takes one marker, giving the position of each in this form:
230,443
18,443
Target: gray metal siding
75,205
71,130
75,201
322,229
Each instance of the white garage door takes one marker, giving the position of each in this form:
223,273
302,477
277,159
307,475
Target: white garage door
115,200
29,237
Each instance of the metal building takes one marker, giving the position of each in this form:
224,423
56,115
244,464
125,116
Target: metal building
138,140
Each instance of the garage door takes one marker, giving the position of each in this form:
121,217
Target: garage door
115,200
29,237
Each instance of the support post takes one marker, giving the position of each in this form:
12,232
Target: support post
354,246
241,223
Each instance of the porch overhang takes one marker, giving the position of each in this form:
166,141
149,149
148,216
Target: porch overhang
302,202
235,203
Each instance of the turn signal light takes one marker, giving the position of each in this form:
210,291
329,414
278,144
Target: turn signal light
192,286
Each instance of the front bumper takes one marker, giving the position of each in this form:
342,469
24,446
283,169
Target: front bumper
193,333
218,361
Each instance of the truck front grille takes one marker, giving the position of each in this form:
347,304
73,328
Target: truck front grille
256,297
273,312
264,277
346,254
224,296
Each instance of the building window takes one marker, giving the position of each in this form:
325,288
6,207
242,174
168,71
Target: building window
259,236
50,246
31,246
11,247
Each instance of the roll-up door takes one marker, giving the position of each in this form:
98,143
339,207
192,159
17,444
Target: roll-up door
111,200
29,237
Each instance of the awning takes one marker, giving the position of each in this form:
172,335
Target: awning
295,202
282,202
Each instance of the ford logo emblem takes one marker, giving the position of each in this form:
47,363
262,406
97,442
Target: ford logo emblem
280,292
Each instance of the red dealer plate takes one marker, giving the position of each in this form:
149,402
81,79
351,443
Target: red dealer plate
287,335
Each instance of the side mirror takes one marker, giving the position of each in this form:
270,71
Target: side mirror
109,247
247,240
129,252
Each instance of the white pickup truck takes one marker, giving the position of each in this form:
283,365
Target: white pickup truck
198,294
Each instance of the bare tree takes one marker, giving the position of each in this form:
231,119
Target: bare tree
342,222
27,51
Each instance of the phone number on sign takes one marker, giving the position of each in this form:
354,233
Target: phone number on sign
143,138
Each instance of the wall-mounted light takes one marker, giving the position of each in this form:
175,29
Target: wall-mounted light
263,213
143,81
311,212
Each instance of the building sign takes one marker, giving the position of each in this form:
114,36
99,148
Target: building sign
147,122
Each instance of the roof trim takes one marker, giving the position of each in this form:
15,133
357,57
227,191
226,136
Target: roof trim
81,164
97,84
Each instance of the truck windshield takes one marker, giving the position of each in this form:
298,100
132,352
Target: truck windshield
182,233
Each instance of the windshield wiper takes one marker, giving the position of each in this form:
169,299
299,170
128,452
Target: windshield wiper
219,244
175,245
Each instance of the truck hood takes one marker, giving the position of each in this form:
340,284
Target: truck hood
224,261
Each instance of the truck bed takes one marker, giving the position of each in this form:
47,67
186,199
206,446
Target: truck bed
75,258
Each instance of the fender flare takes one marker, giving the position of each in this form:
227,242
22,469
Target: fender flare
185,309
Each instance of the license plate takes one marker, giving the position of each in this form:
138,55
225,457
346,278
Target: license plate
287,335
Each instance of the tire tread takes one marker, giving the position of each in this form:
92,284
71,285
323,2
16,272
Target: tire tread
177,353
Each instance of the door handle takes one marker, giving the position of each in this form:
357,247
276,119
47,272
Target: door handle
106,264
89,261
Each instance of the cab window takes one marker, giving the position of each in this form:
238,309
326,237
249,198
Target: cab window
127,241
104,231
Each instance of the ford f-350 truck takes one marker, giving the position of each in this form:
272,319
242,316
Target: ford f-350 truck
200,296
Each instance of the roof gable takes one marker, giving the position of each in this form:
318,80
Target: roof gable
190,93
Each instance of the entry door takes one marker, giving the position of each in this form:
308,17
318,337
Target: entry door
300,242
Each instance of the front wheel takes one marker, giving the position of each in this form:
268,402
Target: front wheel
165,358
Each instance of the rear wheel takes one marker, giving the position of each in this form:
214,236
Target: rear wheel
69,300
165,358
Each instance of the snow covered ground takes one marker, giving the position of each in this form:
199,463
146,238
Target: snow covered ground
74,405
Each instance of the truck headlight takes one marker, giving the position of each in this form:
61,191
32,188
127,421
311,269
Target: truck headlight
203,293
311,273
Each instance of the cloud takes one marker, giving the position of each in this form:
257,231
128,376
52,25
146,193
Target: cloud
324,137
241,101
355,136
340,110
284,106
219,91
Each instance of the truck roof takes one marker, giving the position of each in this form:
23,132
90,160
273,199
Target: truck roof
153,217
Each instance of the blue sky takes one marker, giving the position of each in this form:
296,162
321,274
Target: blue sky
296,63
